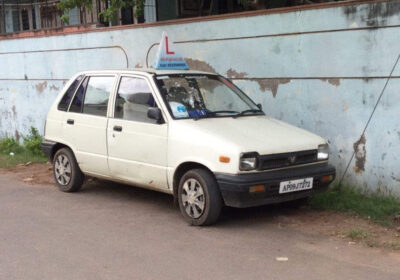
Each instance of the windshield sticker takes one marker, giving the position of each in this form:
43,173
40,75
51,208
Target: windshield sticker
178,109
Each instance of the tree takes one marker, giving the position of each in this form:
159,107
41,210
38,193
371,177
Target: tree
108,14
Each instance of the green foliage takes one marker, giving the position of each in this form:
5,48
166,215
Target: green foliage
108,15
29,152
10,145
378,208
33,142
357,234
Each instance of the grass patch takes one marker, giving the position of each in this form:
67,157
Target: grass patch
380,209
13,153
357,234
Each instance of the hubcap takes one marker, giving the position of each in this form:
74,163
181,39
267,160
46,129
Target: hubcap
62,169
193,198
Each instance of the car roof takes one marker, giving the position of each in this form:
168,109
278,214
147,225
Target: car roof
144,70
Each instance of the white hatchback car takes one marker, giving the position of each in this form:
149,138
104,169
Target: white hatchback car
194,135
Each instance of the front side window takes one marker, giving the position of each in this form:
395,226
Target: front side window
66,99
203,96
134,98
97,95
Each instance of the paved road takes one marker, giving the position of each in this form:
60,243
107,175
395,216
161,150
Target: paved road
110,231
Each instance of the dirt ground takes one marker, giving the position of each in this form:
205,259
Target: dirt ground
349,228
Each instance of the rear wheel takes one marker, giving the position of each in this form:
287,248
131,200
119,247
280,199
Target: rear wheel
67,174
199,198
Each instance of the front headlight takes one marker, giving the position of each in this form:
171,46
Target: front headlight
323,152
248,161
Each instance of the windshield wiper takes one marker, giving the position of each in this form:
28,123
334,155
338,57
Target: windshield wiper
248,111
223,111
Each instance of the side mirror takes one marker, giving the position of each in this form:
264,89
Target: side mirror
155,114
259,105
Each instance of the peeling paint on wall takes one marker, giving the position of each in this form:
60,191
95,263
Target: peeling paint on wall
40,87
271,84
233,74
199,65
53,87
360,154
333,81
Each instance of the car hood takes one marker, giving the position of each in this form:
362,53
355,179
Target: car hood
260,134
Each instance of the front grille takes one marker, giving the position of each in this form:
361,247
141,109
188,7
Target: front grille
286,159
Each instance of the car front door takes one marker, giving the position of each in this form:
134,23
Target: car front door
85,124
137,145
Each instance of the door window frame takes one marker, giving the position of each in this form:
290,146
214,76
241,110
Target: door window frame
112,93
153,92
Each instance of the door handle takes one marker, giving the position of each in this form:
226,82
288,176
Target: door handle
70,121
117,128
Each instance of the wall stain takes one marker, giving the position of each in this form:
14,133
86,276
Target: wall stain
53,87
14,111
360,154
376,14
333,81
271,84
40,87
231,73
199,65
396,179
138,65
17,136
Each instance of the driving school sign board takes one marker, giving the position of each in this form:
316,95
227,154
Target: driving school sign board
168,57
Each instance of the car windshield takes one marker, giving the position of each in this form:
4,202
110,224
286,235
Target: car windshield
204,96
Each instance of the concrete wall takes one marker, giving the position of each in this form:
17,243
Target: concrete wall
322,68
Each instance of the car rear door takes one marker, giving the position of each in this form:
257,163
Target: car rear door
85,124
137,145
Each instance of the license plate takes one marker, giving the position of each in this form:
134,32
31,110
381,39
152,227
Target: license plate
296,185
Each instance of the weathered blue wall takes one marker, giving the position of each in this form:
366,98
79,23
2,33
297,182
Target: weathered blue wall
320,69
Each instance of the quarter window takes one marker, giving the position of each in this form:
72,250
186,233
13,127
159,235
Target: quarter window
66,99
97,95
134,98
76,105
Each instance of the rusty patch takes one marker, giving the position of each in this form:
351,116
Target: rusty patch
360,154
271,84
333,81
231,73
40,87
53,87
199,65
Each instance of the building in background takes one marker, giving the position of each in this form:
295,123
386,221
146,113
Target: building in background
25,15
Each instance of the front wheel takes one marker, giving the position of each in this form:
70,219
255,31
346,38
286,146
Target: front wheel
199,198
68,176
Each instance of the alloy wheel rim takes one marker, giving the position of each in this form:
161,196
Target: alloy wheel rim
62,169
193,198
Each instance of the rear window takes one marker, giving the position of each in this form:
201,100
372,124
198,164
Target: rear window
66,99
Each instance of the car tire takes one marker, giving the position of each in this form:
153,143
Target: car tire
199,197
67,174
295,204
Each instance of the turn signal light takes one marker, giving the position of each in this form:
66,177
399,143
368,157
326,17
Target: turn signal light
257,188
224,159
326,178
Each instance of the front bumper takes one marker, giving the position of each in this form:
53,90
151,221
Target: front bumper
235,188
